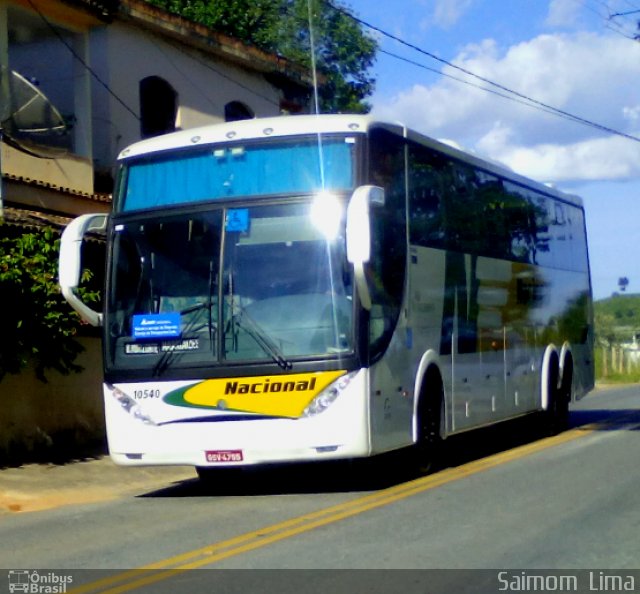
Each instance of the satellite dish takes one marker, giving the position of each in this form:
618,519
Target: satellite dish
29,121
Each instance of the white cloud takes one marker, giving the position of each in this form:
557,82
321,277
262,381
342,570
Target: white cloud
447,13
606,158
562,13
632,113
590,75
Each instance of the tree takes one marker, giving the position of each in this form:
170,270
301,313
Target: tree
36,324
344,52
623,283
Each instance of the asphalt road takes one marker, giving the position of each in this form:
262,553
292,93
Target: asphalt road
506,501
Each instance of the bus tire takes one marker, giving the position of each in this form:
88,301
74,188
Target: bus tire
558,394
429,421
564,393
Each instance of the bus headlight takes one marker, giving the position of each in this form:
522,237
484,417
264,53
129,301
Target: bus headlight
328,396
130,406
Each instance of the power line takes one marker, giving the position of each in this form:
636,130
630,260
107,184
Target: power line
502,90
608,18
627,13
469,83
633,5
176,45
80,59
529,100
194,56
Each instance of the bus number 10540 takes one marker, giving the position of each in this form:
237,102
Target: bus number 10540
144,394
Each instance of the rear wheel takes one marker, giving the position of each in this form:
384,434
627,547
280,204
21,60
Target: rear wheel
430,416
564,395
559,394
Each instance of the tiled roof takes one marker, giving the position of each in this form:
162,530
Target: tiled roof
25,219
103,9
32,219
105,198
202,37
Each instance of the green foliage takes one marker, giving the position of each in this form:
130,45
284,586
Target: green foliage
248,20
36,324
617,319
344,52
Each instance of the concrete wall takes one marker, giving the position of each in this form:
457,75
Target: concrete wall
62,418
124,55
66,171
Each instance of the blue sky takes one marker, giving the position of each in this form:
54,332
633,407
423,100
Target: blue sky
574,55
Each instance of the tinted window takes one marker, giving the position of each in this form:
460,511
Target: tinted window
464,209
388,261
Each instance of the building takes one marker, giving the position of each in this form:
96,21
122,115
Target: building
79,81
82,79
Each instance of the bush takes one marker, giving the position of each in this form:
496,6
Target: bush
36,323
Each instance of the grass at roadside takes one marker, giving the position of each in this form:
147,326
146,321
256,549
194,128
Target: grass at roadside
620,378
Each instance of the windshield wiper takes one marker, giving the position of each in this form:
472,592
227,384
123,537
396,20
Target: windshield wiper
167,358
213,326
196,307
245,322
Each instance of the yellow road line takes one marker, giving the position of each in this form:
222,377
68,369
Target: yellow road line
249,541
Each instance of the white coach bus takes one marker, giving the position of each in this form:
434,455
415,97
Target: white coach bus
329,287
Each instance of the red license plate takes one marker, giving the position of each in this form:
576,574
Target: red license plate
224,456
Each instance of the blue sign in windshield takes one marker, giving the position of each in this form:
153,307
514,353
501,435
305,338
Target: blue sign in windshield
238,171
164,325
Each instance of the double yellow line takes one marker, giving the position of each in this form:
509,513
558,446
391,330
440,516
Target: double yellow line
210,554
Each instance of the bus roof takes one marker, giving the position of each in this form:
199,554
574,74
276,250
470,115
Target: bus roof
280,126
258,128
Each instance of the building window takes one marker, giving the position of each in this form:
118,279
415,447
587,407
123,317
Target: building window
158,107
235,110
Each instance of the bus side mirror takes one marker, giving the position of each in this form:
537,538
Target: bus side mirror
70,262
359,235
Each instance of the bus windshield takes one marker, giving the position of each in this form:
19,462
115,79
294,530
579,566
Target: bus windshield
253,284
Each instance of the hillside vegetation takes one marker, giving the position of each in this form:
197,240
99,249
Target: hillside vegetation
617,319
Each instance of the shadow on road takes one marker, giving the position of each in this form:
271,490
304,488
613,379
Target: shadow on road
388,470
607,420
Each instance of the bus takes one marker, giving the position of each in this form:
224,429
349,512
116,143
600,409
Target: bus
323,287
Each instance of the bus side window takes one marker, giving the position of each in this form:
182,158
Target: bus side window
386,270
561,237
579,240
426,221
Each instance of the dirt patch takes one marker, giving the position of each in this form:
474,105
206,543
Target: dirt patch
34,487
23,502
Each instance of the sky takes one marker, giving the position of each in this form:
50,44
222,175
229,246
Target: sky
578,56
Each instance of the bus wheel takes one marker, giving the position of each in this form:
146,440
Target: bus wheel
557,413
430,413
564,395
